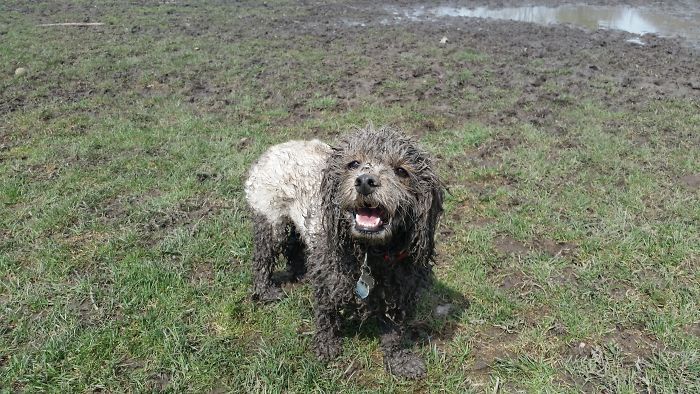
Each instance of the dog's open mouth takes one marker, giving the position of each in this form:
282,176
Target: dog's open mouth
370,219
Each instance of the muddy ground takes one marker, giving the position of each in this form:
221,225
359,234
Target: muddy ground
600,66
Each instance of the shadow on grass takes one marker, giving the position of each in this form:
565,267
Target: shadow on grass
439,310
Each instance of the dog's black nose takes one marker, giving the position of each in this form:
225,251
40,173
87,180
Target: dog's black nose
366,184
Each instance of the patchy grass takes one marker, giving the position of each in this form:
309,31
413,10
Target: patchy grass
569,248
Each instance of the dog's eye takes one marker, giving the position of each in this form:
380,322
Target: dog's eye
401,172
353,165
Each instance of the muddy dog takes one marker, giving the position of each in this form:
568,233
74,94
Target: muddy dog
361,218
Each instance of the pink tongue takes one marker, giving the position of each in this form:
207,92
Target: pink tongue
366,217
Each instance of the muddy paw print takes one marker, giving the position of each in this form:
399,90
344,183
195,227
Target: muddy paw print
407,364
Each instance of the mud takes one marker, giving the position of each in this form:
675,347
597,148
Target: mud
202,274
508,245
692,182
589,57
187,214
490,345
403,63
159,382
556,249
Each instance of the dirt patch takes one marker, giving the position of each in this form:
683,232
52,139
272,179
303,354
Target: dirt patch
491,345
112,209
158,382
203,176
118,207
691,182
558,328
554,248
42,172
508,245
86,309
465,214
128,364
632,343
693,329
5,144
202,274
622,291
579,350
480,222
188,213
6,237
493,149
517,281
518,285
489,155
566,277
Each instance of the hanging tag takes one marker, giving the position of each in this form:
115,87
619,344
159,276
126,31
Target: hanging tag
364,285
366,282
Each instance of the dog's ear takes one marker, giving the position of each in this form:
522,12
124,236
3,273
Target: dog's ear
427,216
330,209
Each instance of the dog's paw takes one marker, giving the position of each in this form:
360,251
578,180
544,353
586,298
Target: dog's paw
327,346
406,364
293,275
269,294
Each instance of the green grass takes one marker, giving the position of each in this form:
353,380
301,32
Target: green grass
125,243
470,55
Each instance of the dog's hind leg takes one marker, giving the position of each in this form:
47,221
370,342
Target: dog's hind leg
295,253
398,360
264,253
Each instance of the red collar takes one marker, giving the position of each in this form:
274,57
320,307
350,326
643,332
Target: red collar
395,257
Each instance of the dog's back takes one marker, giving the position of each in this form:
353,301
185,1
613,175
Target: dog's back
284,183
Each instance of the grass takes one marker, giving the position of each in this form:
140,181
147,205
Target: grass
571,257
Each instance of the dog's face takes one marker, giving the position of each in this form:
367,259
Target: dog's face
376,193
383,187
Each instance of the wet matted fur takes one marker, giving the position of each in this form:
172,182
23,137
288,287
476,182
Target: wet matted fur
373,196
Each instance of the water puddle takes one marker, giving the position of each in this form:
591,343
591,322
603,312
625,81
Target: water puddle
634,20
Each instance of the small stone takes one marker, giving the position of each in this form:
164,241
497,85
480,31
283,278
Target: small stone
443,40
581,345
20,71
243,143
441,311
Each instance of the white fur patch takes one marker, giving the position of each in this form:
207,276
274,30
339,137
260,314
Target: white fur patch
283,185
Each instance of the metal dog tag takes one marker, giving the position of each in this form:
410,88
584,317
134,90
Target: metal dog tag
364,285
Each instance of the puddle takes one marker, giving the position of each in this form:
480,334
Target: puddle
634,20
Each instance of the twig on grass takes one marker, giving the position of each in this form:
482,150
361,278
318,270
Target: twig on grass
92,299
71,24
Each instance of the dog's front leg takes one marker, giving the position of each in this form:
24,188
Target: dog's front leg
398,360
327,341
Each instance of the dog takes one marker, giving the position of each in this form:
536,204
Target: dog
360,217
